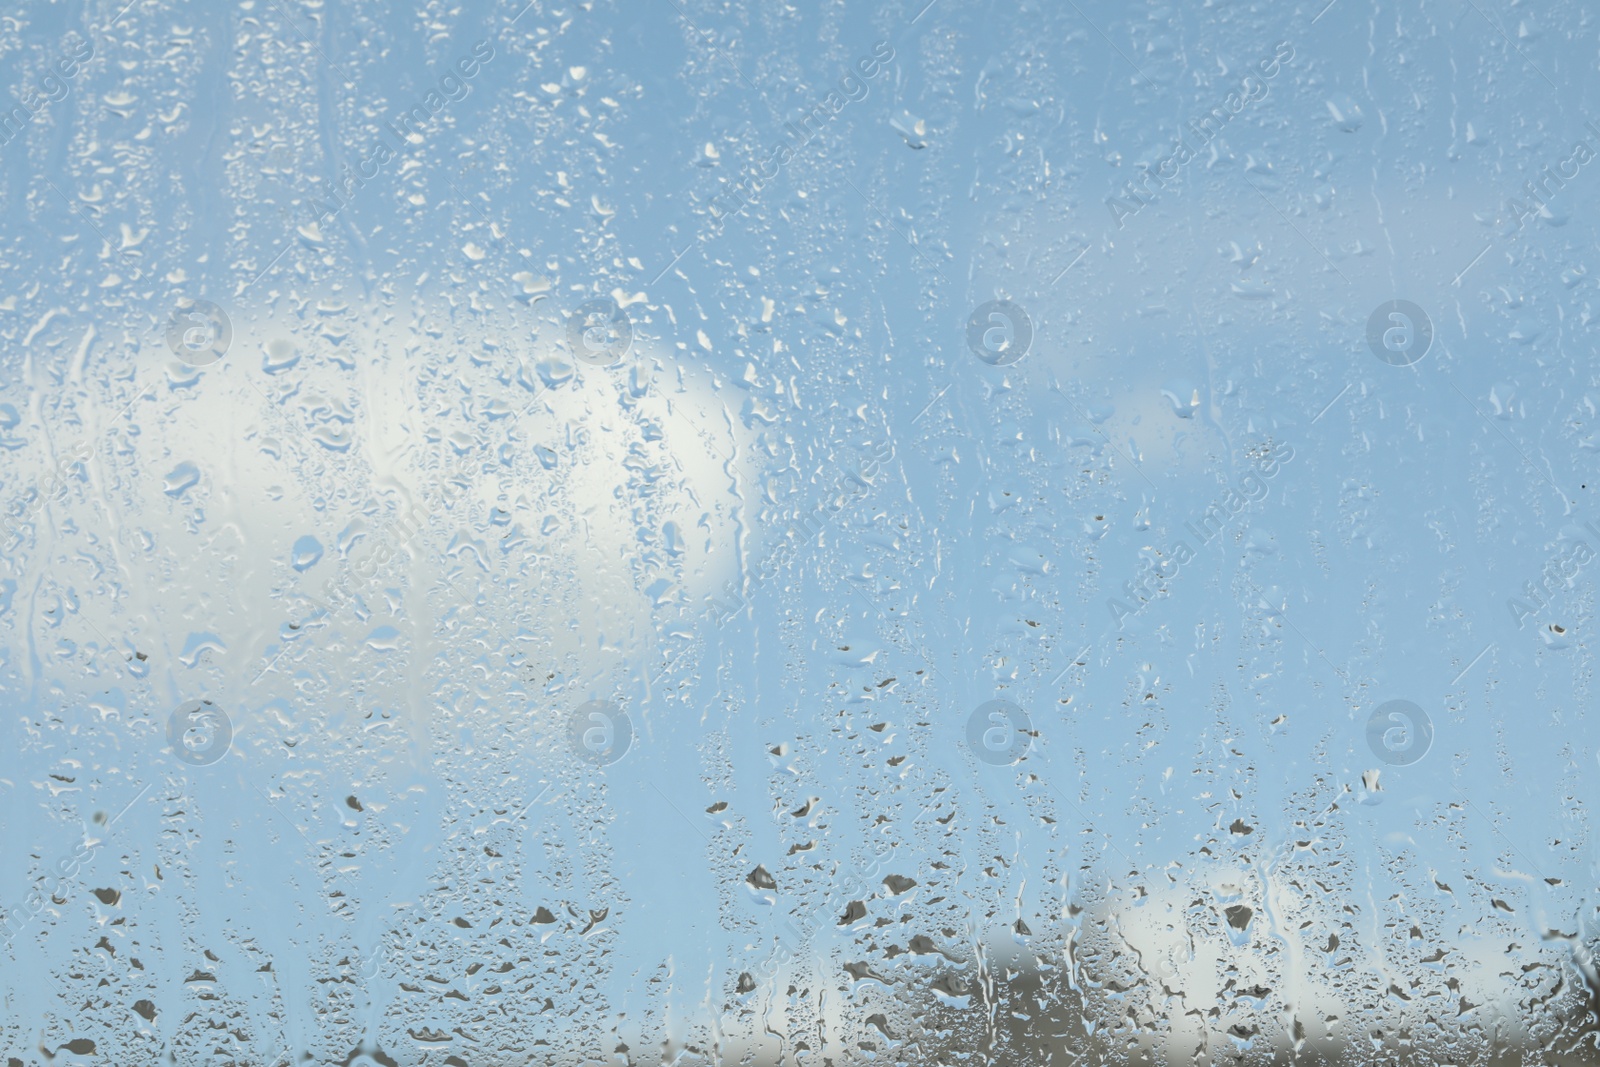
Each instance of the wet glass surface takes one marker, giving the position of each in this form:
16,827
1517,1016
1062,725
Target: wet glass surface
690,533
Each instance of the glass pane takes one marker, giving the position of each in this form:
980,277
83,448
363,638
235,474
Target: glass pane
701,533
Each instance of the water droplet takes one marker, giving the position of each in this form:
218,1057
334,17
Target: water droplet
307,551
182,479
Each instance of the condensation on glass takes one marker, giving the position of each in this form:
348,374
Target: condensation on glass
754,534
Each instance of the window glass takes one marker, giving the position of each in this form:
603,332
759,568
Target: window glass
702,533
